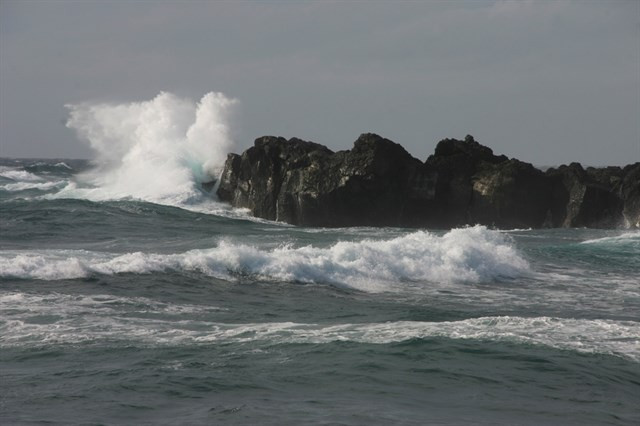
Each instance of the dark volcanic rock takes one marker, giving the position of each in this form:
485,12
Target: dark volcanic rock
511,194
378,183
455,162
476,186
255,179
590,198
630,194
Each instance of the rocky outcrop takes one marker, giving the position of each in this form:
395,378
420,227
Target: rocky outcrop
589,198
629,192
378,183
476,186
511,194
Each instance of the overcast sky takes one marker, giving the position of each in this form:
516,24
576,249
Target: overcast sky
547,82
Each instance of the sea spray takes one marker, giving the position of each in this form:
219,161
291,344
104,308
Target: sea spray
159,150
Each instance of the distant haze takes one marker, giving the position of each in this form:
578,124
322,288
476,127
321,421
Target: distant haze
547,82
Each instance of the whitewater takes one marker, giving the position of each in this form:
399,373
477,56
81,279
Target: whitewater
130,295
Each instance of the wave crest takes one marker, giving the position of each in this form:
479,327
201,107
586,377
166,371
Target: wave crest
626,238
462,255
17,175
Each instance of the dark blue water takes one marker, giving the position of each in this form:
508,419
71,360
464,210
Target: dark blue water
115,310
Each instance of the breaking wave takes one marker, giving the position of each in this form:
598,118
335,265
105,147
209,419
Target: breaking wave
467,254
628,238
160,150
25,186
19,175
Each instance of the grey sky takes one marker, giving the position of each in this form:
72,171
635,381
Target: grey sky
545,81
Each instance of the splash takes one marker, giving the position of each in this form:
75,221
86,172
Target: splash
159,150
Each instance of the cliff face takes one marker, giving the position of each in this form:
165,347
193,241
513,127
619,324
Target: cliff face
378,183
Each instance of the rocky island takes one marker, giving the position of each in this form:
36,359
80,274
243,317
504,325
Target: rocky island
378,183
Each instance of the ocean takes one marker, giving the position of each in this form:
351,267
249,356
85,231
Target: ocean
130,296
115,310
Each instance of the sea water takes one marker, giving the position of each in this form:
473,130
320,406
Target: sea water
129,295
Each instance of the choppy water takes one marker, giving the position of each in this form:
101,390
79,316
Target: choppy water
115,310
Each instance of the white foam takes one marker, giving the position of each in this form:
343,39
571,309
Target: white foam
628,237
19,175
63,165
462,255
159,150
591,336
64,305
41,186
98,318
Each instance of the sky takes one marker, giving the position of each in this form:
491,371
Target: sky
547,82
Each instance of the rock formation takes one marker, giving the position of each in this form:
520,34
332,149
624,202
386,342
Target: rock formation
378,183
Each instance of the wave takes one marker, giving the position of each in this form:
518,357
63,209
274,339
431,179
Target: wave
56,167
63,165
160,150
65,305
24,186
626,238
96,318
18,175
37,175
473,254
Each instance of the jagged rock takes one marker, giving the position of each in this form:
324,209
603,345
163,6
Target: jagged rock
378,183
511,194
254,179
455,162
467,152
590,198
630,194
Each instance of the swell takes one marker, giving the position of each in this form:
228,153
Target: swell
32,178
29,319
613,254
115,226
37,169
627,239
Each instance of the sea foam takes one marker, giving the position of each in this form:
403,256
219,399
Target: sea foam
159,150
19,175
625,238
24,186
98,318
472,254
